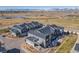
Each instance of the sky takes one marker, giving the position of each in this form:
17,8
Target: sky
36,7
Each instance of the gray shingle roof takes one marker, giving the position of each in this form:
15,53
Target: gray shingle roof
46,30
37,33
27,26
43,32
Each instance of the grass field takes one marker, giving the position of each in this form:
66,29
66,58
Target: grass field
4,30
61,22
7,22
66,19
67,44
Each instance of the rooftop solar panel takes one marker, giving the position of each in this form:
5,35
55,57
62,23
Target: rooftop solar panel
34,25
17,26
46,30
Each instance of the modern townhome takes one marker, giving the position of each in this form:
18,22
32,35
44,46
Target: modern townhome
22,29
46,37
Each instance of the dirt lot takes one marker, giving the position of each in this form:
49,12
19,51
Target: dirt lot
13,42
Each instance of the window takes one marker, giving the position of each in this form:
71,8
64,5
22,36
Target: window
47,37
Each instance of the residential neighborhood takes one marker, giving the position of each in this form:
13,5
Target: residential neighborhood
39,31
35,35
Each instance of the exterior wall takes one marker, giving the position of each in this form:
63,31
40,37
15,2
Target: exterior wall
20,33
13,33
24,34
62,31
29,42
40,39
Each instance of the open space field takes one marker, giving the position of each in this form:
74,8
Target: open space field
66,23
66,19
4,30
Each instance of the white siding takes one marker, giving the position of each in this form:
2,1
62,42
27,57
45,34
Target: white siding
40,39
29,42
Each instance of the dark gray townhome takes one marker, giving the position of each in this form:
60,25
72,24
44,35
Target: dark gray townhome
47,36
22,29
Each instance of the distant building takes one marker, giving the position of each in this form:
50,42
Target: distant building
22,29
46,36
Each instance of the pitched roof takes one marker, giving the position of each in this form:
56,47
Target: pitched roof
28,25
46,30
55,26
42,32
37,33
